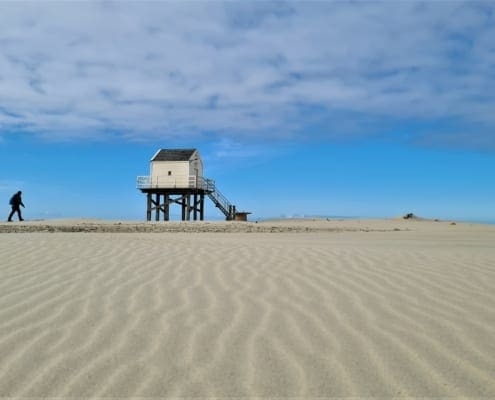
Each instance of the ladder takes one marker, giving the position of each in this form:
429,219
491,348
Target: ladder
220,200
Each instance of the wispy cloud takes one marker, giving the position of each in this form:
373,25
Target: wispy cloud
162,69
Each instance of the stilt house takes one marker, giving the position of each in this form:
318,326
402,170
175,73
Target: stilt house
176,177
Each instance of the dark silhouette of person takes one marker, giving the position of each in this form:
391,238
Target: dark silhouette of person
16,203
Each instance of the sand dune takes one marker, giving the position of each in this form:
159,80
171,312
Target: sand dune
346,309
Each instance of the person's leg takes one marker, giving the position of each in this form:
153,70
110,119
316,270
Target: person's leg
19,213
11,214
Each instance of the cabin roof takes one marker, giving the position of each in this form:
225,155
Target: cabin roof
173,155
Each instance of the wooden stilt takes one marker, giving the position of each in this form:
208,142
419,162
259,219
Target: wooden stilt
201,206
157,207
195,209
183,208
148,207
188,207
166,205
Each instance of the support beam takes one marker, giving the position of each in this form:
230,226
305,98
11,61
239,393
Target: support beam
183,209
195,209
148,207
157,207
166,209
201,206
191,201
188,207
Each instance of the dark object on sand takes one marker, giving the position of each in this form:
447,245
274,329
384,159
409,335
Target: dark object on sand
241,215
409,216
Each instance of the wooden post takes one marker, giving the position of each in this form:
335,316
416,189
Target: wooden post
166,210
183,203
148,207
188,207
157,207
201,206
195,206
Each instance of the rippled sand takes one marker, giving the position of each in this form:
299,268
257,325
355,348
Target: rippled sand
371,309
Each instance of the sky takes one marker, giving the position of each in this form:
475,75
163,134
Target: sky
298,108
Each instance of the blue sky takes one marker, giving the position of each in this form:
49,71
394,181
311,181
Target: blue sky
370,109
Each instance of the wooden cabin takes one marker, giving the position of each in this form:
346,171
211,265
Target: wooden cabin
176,168
176,177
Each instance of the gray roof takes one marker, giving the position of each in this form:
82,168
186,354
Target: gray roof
173,155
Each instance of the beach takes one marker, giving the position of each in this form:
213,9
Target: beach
275,309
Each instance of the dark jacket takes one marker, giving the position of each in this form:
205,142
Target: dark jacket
16,201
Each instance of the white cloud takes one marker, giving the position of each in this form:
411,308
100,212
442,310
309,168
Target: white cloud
162,69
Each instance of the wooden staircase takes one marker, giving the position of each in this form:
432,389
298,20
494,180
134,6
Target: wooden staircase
220,201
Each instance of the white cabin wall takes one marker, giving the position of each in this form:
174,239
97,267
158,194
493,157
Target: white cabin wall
196,164
179,176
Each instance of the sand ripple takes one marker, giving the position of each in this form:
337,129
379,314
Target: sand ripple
258,315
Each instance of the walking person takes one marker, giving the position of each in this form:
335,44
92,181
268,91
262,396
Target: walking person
16,203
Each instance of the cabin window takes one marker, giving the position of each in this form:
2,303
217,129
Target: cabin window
169,173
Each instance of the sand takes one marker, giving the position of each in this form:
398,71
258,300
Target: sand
386,308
